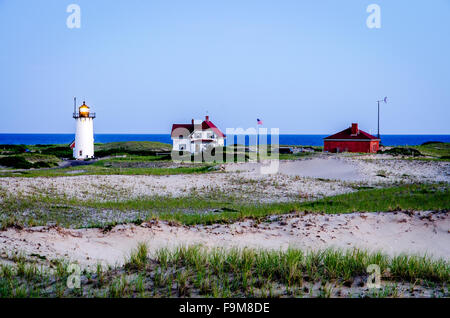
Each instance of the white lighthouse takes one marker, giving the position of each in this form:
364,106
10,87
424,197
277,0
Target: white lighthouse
83,146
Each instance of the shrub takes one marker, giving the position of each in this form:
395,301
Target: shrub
15,149
58,151
42,164
431,142
17,162
400,151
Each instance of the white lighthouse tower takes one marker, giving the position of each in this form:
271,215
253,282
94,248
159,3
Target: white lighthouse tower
83,147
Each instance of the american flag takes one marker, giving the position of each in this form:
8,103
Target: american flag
259,121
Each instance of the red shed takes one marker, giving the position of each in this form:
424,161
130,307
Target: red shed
351,140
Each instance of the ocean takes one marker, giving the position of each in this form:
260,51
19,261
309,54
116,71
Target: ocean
311,140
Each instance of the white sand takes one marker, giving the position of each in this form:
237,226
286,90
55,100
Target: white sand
392,233
356,169
300,178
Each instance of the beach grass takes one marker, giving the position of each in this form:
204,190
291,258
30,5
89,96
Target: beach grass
199,272
142,148
99,168
435,149
217,207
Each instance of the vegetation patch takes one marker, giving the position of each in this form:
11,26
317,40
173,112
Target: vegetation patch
436,149
402,151
433,149
213,208
196,271
141,148
57,151
28,161
6,149
102,168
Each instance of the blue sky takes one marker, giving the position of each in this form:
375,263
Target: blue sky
302,66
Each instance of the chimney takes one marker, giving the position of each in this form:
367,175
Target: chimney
355,130
207,118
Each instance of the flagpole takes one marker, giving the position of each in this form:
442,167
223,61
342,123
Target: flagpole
258,148
257,142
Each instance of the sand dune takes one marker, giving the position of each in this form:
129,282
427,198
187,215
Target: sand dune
294,178
391,232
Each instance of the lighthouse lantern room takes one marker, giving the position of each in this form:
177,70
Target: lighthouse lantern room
83,146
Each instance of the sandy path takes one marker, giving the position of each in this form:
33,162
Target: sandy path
393,233
323,168
355,169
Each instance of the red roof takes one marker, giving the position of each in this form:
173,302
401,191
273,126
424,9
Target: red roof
206,125
189,127
347,134
209,125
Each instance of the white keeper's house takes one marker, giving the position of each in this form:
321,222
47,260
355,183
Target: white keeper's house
197,136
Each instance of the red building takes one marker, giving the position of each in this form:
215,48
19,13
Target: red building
351,140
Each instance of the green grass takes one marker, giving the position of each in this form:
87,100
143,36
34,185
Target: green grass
213,208
138,258
28,160
8,149
295,156
143,148
435,149
58,150
134,158
134,146
197,271
99,168
409,197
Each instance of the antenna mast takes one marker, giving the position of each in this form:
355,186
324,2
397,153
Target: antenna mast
74,105
378,102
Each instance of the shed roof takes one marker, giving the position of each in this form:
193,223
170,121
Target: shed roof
347,134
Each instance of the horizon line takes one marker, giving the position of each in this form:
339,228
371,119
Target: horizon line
305,134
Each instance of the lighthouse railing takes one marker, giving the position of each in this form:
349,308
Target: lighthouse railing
77,115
